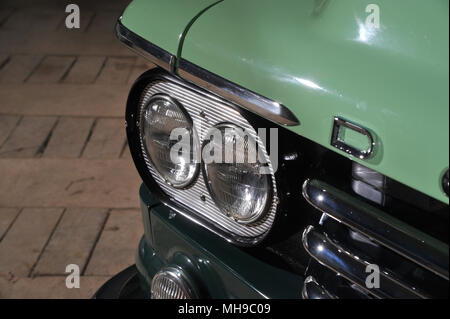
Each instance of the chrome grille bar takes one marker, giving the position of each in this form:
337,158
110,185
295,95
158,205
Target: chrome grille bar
340,259
388,231
312,290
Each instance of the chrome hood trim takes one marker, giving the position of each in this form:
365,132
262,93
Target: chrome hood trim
249,100
144,48
232,92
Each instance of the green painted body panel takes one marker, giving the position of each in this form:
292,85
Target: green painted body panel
162,22
319,59
220,269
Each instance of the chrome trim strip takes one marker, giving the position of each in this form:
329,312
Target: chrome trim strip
341,145
187,213
312,290
144,48
249,100
339,259
388,231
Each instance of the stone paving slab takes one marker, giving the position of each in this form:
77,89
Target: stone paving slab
26,238
107,5
42,182
62,43
49,287
72,241
107,140
68,99
69,137
126,154
116,70
3,59
7,217
86,18
19,68
104,21
52,69
85,70
120,237
36,20
28,137
4,15
140,66
7,125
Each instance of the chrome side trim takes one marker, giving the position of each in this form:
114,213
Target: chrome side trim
341,260
341,145
249,100
144,48
184,211
388,231
312,290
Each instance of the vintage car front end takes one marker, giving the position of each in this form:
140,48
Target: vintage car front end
347,196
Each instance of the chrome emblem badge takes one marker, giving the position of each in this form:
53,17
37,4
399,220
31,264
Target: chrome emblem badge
338,140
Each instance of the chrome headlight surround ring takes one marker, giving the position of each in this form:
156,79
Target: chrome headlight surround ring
192,132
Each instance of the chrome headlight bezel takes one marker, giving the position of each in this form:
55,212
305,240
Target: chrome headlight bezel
194,208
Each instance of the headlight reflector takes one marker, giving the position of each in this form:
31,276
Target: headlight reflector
159,117
236,183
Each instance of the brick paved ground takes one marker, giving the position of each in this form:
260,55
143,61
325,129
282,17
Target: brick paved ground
68,188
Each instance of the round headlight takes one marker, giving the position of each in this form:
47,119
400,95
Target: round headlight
234,178
164,123
171,283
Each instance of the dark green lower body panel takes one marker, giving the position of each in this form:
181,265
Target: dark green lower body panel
218,268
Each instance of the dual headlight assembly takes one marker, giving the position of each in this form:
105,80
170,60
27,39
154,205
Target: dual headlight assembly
203,155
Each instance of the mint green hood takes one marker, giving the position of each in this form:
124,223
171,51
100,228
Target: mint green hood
162,22
319,59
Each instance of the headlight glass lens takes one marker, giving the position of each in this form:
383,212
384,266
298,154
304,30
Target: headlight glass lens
159,118
235,182
171,283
